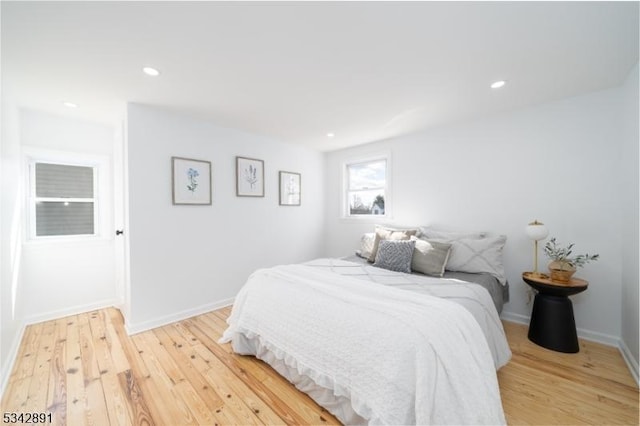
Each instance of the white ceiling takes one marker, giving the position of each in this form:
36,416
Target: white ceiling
295,71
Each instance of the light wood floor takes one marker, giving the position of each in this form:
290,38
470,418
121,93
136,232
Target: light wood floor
84,369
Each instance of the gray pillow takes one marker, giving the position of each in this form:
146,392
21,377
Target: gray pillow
430,257
395,255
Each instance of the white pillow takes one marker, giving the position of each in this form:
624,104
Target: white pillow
384,233
366,245
427,232
430,257
478,255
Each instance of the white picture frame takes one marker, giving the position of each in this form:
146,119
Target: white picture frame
191,181
249,177
290,188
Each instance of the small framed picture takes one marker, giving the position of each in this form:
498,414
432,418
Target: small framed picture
249,177
191,181
290,190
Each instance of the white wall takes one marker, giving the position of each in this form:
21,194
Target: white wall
11,296
629,223
65,277
188,259
557,162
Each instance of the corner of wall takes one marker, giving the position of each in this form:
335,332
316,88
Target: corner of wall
12,324
632,363
12,354
135,328
628,227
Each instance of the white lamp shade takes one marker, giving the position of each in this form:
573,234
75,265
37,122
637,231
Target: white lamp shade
536,231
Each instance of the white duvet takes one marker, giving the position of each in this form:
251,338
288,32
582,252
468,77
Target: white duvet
397,356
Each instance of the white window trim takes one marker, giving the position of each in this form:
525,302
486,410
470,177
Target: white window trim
101,176
388,204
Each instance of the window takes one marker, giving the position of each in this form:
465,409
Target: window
366,188
63,199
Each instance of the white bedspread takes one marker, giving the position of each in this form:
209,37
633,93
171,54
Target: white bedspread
398,356
474,298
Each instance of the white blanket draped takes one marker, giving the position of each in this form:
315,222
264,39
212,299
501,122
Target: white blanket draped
473,297
399,357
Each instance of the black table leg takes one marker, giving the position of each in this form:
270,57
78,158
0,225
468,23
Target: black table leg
552,324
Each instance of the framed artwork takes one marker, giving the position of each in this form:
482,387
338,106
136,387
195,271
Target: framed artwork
249,177
290,190
191,181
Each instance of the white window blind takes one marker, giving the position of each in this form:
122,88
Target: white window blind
63,199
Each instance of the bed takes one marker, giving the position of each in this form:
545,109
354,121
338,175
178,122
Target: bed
376,346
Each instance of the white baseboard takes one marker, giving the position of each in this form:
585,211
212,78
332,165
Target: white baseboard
46,316
632,363
593,336
517,318
178,316
74,310
5,372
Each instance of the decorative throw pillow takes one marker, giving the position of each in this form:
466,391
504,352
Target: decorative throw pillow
428,233
478,255
383,233
430,257
366,245
395,255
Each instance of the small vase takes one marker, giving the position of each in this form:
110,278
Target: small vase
561,271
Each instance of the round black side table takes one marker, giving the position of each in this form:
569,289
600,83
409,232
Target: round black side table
552,324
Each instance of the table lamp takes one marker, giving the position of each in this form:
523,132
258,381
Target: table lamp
536,231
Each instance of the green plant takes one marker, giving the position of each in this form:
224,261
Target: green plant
563,254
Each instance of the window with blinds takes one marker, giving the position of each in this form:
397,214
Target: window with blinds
63,199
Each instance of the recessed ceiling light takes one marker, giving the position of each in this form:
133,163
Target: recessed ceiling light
498,84
331,135
151,71
70,105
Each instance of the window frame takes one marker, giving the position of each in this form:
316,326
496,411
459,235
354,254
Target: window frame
98,164
346,190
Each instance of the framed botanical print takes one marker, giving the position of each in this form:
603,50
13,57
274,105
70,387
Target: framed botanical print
249,177
290,189
191,181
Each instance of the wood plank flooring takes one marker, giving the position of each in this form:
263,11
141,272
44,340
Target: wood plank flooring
84,369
